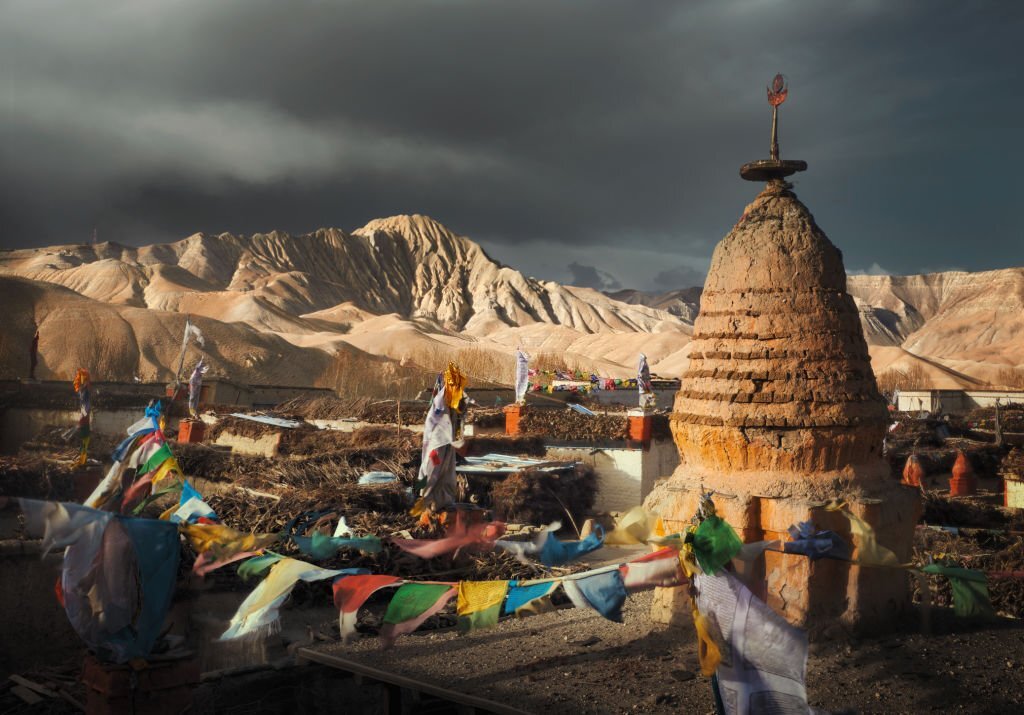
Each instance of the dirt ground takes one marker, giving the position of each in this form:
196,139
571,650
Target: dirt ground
573,661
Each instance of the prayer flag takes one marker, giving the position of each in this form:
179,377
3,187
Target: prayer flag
822,544
191,507
436,479
658,569
528,598
479,604
557,553
715,543
320,546
636,526
454,384
412,604
260,609
60,524
460,536
763,658
869,551
157,458
258,565
195,386
351,592
117,576
643,382
522,374
604,592
223,540
207,562
970,591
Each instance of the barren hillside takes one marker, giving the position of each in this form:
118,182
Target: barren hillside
408,289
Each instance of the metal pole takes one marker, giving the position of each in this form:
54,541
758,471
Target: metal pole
775,133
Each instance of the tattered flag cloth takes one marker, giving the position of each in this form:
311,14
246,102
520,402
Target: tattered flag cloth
436,481
637,526
658,569
869,551
207,562
321,546
223,540
970,591
479,604
152,462
191,507
477,536
83,386
258,565
454,384
61,524
816,545
763,658
715,544
604,592
412,604
129,442
643,375
529,598
522,374
259,611
550,550
195,386
156,458
557,553
351,592
118,574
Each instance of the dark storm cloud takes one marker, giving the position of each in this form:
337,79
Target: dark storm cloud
586,126
679,277
592,277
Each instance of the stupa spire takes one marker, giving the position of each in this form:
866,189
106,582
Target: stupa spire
774,167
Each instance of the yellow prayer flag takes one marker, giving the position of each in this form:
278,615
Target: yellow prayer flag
869,551
223,540
170,465
480,595
636,526
454,382
707,649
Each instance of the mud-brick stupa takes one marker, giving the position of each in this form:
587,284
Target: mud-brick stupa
779,412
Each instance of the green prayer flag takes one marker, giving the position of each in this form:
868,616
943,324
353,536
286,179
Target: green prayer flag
321,546
257,565
412,599
154,496
715,543
970,591
158,458
486,618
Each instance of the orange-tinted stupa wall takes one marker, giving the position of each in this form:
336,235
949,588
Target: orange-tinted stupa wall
779,413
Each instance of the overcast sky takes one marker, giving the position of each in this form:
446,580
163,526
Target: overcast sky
587,141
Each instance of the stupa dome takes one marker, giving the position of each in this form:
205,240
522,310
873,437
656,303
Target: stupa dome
779,378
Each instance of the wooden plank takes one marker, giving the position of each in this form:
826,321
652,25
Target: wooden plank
25,682
26,694
402,681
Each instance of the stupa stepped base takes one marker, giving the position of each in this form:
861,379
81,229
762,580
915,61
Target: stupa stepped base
829,598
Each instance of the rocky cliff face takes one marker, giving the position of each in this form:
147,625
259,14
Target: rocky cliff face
411,266
406,284
404,288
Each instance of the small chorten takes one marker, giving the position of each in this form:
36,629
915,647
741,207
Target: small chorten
779,412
